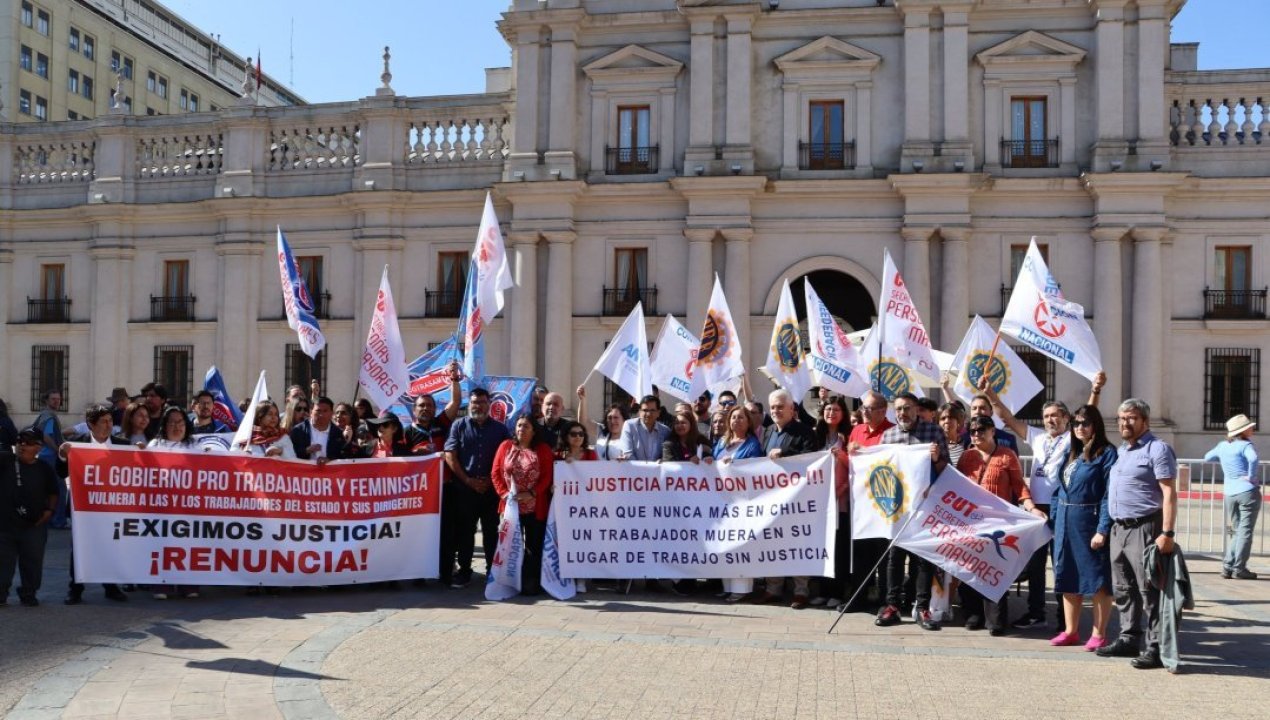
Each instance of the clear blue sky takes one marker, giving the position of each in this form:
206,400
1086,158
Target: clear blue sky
442,47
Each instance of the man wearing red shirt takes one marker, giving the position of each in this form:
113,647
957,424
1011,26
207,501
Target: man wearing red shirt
868,434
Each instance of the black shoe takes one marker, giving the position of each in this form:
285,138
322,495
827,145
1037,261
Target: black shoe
889,615
30,602
1245,574
974,622
112,593
1119,648
683,588
420,583
1226,574
462,579
998,631
927,621
73,598
1148,660
1028,621
129,588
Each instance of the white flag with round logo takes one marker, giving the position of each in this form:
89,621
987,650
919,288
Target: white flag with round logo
719,358
1039,317
625,360
1009,376
885,371
887,485
833,362
674,361
904,336
785,359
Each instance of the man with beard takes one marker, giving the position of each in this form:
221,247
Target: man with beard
469,453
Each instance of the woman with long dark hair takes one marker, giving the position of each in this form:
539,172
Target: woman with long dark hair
522,473
1082,524
685,443
831,430
175,431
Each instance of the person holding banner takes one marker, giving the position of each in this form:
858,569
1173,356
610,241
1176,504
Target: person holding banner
525,463
996,469
317,438
174,435
574,445
737,443
136,420
100,422
868,433
1082,567
831,434
685,444
28,497
346,425
297,412
469,453
787,436
268,439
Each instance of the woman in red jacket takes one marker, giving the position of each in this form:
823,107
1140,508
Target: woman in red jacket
526,465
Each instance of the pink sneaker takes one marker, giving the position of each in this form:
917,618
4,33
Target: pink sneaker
1065,638
1094,643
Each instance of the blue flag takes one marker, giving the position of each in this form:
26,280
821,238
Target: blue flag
472,330
298,303
430,375
226,410
509,397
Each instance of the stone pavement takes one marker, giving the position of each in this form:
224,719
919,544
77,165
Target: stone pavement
440,653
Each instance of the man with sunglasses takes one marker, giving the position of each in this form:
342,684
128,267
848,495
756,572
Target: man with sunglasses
28,494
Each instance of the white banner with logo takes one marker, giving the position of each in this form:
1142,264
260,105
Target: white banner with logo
886,485
976,536
752,518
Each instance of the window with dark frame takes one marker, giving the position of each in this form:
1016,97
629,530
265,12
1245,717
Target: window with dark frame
452,270
42,23
42,65
630,282
825,143
87,87
1042,366
89,47
28,15
174,370
1028,146
176,278
1232,385
41,108
52,281
633,154
24,102
1233,297
72,82
301,369
73,40
49,371
26,58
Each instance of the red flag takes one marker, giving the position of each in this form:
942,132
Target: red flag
260,77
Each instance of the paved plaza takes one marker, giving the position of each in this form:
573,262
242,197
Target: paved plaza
441,653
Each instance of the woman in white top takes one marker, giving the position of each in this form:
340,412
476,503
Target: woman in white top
608,440
174,435
268,439
136,418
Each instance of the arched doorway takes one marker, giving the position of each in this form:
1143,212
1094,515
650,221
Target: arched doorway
845,297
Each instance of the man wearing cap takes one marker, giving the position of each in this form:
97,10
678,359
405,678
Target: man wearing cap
1142,502
28,494
1242,488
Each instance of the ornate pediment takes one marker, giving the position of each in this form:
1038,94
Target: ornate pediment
634,63
827,54
1032,48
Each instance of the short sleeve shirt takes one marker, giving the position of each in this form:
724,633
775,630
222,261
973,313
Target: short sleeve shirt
475,444
1048,455
1134,488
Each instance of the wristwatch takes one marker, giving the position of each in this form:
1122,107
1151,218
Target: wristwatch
1169,534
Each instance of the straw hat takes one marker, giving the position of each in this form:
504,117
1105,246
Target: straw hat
1238,424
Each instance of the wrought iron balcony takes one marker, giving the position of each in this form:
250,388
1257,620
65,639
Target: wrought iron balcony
1235,304
620,301
443,303
631,160
322,305
55,310
1029,153
826,156
172,308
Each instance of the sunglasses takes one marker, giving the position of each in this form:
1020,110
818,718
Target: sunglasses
301,408
726,403
978,430
577,433
1082,423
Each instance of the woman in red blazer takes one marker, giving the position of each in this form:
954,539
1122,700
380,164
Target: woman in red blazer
526,465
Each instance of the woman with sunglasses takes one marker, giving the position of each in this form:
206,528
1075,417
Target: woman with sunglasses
522,473
297,412
268,439
573,444
995,468
1082,524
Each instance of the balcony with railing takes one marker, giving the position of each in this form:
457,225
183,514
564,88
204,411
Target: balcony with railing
631,160
826,156
443,303
44,310
322,305
1030,153
1234,304
172,308
1219,122
620,301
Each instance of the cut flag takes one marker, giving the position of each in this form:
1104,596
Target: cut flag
719,357
834,362
903,335
1039,317
673,363
1009,377
298,303
785,359
383,373
625,360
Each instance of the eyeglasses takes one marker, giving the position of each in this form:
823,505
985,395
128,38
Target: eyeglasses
301,408
726,403
577,433
1082,423
978,430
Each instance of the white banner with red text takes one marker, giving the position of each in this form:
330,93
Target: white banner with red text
749,519
977,537
153,517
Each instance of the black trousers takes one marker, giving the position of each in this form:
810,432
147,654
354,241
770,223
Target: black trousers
844,581
449,521
869,552
995,614
23,549
923,573
1035,574
531,570
77,588
473,508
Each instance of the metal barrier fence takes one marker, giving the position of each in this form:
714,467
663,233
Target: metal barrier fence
1202,526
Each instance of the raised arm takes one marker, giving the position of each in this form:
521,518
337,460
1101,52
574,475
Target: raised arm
1095,390
451,408
582,417
945,386
1017,426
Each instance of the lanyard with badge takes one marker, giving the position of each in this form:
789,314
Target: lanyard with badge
19,507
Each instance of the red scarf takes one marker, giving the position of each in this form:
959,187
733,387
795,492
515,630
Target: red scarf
261,436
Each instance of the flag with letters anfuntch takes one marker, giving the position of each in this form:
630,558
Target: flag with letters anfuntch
834,362
1009,377
1039,317
625,360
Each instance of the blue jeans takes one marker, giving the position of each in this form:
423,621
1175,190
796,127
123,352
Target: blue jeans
1241,515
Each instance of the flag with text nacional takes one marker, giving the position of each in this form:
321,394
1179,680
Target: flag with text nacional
673,363
887,482
719,357
383,374
903,335
625,360
834,363
785,360
1009,377
298,303
223,408
976,536
1039,317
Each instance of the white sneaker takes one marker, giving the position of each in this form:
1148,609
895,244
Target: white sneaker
580,585
160,596
191,595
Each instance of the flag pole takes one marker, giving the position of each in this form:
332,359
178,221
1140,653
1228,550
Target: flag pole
842,609
987,366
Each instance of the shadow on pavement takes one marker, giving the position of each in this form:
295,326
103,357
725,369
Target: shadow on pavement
243,666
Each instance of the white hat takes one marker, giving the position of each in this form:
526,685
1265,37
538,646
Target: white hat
1238,424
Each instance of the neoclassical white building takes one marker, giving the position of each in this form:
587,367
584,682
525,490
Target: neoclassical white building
635,148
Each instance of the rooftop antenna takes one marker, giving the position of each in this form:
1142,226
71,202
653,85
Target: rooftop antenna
291,69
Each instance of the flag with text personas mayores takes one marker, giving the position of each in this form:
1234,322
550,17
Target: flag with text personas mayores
719,357
887,483
298,303
904,336
383,375
1009,377
785,359
625,360
834,362
673,363
1039,317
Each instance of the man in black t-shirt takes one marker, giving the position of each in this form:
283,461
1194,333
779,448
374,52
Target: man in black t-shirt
28,494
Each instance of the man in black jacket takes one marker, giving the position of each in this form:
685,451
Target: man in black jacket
28,494
316,438
100,424
785,437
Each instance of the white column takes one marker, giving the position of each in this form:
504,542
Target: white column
522,311
740,69
701,84
108,315
524,149
1153,45
599,129
1110,72
666,153
700,275
955,301
864,125
993,113
916,270
1148,318
736,284
956,74
917,76
790,127
238,306
1109,310
558,373
564,103
1067,140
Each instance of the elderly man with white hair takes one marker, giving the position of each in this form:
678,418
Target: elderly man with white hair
785,437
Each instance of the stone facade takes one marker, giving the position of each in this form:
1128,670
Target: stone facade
759,141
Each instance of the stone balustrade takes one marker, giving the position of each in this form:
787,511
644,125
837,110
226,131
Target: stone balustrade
1219,121
385,143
